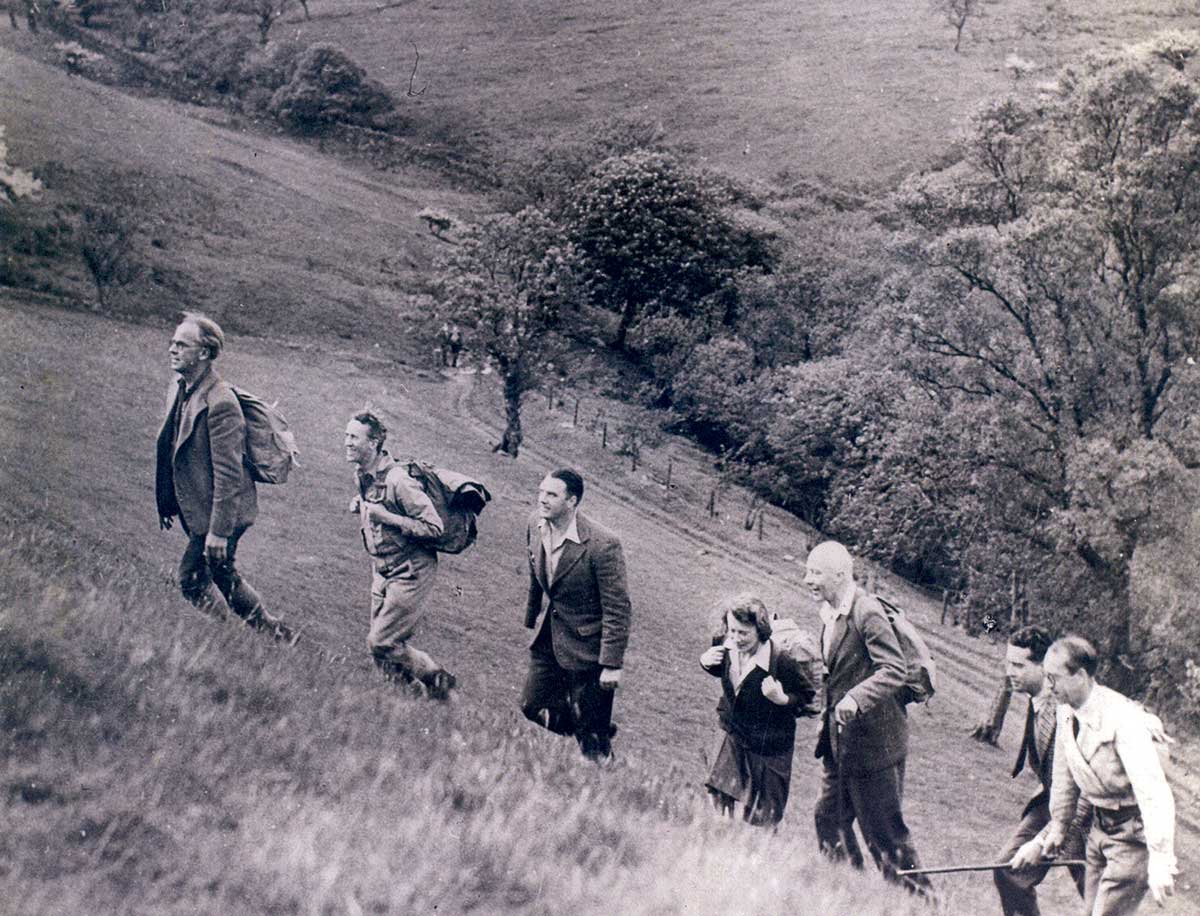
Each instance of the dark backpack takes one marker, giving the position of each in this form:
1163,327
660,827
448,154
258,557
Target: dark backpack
458,501
921,681
271,451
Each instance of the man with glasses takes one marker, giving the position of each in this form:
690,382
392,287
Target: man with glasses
1104,751
201,476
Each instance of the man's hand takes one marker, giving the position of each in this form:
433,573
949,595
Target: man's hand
713,657
1162,888
1052,841
216,548
1029,855
846,709
610,678
356,504
165,522
377,513
773,691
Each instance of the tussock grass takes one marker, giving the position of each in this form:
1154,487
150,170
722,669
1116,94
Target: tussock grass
156,760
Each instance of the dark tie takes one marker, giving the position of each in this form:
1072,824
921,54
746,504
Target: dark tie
1028,747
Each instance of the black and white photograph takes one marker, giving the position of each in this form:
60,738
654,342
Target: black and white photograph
634,459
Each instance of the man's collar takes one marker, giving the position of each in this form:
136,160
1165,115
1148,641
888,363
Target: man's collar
572,533
1091,713
829,613
1042,697
762,656
382,462
190,388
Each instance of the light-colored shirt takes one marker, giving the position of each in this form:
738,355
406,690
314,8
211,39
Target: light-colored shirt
829,615
1113,764
552,544
761,658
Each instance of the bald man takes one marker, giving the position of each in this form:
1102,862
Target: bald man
864,733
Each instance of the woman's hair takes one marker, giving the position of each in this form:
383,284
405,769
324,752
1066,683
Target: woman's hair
748,609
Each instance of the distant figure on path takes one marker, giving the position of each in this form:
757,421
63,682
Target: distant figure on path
201,476
580,612
397,520
864,734
455,343
444,343
1104,751
1018,886
762,691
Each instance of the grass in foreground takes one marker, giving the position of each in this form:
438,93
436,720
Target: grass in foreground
155,760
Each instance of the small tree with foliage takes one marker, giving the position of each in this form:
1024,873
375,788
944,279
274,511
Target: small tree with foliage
106,246
325,87
507,279
957,13
655,238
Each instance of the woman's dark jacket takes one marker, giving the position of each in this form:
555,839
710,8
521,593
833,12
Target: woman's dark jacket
761,726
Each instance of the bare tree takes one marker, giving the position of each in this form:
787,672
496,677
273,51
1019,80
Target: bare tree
957,13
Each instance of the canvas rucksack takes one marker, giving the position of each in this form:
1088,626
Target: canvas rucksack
271,451
458,501
801,647
921,681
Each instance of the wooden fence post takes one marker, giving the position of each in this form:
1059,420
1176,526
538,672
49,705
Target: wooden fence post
670,465
945,604
712,503
604,435
761,513
575,419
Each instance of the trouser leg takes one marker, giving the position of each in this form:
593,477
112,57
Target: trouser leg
876,800
1117,870
545,698
396,609
834,818
1018,889
592,707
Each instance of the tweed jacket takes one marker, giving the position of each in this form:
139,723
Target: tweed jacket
204,479
864,661
587,605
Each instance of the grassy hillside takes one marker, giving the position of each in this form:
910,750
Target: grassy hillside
861,92
170,763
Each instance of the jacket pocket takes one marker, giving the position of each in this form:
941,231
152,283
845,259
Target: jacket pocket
590,629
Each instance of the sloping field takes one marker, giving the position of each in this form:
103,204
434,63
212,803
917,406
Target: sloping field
249,226
857,90
76,435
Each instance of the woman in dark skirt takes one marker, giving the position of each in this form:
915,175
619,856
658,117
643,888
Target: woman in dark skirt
762,691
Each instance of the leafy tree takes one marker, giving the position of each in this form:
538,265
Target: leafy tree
15,183
655,238
1060,282
508,277
325,87
106,246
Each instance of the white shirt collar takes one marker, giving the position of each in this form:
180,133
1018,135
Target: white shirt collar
829,613
547,531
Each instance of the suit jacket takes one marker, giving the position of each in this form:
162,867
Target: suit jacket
865,661
204,479
1038,755
587,605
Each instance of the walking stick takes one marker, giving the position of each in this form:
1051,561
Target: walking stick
1003,866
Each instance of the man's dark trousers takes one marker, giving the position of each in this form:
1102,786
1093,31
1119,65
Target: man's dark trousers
1018,888
571,702
197,573
872,799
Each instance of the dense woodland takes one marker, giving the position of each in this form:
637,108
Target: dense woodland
984,378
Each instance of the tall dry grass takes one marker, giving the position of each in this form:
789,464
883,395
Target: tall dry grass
158,761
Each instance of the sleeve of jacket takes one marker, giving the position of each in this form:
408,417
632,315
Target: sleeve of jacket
227,445
533,604
406,497
888,667
1064,793
802,694
616,611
